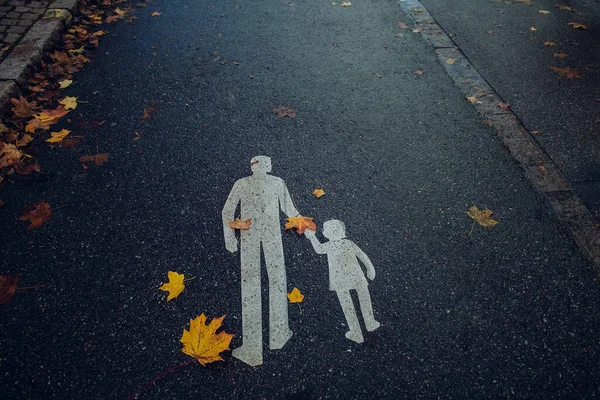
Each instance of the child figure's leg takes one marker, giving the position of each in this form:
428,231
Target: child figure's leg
367,308
354,333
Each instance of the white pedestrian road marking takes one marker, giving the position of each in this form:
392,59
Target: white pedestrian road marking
260,197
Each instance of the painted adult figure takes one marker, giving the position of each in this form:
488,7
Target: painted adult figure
260,197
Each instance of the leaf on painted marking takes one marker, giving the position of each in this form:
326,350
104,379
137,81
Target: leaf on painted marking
97,159
301,224
419,72
318,192
282,111
203,342
576,25
36,214
416,30
503,106
70,103
402,24
549,44
346,3
567,72
295,296
8,287
57,137
473,100
561,55
175,285
482,217
65,83
544,12
241,225
450,61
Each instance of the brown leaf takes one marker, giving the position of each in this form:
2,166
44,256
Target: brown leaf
155,14
563,7
568,72
23,108
503,106
576,25
97,159
561,55
419,72
8,287
148,111
9,154
282,111
36,214
241,225
71,141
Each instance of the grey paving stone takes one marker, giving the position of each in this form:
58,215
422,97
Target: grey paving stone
21,9
9,21
12,37
25,22
16,29
30,16
13,14
17,3
3,28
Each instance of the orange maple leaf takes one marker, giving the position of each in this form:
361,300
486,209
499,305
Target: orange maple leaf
318,192
8,286
37,214
295,296
239,224
202,342
175,285
301,223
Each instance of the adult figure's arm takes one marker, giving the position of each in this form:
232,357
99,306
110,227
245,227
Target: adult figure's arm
228,214
286,203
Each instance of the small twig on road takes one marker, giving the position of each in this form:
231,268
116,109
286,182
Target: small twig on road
134,395
30,287
472,227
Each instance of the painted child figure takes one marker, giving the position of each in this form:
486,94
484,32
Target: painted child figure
346,274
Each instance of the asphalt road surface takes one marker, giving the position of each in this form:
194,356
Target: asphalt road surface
509,311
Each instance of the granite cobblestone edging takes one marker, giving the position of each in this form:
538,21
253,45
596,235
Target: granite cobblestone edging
538,168
28,28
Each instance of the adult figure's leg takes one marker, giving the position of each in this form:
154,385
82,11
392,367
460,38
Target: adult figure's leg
251,350
279,330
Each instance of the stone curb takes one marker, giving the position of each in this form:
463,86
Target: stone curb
539,169
27,54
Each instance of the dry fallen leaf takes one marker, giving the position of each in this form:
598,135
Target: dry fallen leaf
203,342
36,214
70,103
138,136
473,100
148,111
419,72
72,141
549,44
300,223
450,61
97,159
241,225
57,137
402,24
416,30
563,7
528,2
65,83
318,192
533,28
155,14
503,106
568,72
345,3
544,11
23,108
8,287
175,285
284,112
576,25
561,55
9,154
295,296
482,217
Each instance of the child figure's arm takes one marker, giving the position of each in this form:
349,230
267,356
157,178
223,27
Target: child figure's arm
319,248
366,261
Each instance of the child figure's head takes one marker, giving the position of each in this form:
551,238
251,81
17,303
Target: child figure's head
334,229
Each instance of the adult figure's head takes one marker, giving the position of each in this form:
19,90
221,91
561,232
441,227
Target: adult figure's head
260,165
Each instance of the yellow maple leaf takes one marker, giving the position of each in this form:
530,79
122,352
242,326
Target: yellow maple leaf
175,285
300,223
318,192
202,342
70,103
58,136
239,224
65,83
295,296
482,217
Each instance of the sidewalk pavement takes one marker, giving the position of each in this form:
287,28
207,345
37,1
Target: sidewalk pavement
27,29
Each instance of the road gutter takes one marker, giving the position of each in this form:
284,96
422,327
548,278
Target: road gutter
539,169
